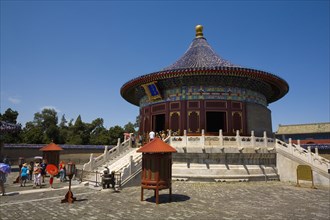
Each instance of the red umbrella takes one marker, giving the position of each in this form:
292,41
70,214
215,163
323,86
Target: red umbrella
52,169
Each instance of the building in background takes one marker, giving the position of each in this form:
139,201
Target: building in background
313,135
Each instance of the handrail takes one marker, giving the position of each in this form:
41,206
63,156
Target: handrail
301,154
107,154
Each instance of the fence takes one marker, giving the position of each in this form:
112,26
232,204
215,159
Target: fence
95,177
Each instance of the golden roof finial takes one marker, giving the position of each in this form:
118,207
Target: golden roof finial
199,31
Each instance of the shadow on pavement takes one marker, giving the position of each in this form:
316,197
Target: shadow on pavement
11,193
165,198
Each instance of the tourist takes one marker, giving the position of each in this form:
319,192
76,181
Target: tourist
43,166
24,174
3,179
20,165
37,175
51,180
126,136
163,135
140,140
31,165
6,160
133,140
151,135
62,171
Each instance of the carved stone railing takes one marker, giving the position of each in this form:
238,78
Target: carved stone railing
132,167
222,141
107,155
307,156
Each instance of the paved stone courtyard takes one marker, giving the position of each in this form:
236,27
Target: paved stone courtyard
190,200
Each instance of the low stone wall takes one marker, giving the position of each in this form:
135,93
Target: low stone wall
13,152
226,158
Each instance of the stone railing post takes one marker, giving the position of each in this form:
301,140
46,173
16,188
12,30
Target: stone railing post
130,140
238,138
185,138
169,133
265,139
91,160
118,146
298,143
290,146
221,137
105,154
130,165
253,139
316,152
203,138
309,154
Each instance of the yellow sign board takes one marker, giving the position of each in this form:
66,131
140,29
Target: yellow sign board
305,172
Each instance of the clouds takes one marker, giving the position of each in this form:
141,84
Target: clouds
13,100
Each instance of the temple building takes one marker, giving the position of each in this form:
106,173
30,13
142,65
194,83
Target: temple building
313,135
202,91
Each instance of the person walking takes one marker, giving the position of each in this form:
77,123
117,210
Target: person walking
51,180
37,175
43,166
62,171
133,140
30,166
3,179
151,135
24,174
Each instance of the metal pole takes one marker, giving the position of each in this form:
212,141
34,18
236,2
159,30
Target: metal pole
96,183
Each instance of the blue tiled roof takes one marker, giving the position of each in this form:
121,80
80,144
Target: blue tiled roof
319,146
200,54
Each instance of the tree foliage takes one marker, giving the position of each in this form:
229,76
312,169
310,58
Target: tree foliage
45,128
10,116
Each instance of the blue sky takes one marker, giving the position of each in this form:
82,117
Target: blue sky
74,56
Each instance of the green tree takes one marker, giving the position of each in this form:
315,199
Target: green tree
32,134
10,116
43,129
78,133
63,131
115,133
98,134
48,120
129,127
137,122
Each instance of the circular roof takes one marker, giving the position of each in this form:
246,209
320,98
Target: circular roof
201,64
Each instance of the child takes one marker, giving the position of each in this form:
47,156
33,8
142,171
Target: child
51,180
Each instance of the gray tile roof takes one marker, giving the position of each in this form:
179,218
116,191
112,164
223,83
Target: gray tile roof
304,128
9,127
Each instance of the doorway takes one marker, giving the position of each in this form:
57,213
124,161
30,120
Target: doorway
159,122
216,121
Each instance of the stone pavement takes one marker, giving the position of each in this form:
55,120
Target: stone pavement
190,200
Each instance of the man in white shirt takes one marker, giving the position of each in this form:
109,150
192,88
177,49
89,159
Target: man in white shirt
151,135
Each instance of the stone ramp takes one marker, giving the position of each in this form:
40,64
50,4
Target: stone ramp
120,164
